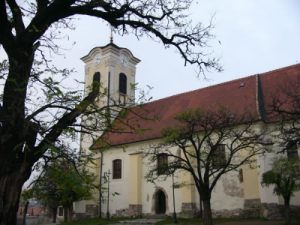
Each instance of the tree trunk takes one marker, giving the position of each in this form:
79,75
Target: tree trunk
70,213
287,210
10,190
54,214
200,207
207,216
66,214
25,212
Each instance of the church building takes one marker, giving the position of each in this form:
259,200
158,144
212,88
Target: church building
120,162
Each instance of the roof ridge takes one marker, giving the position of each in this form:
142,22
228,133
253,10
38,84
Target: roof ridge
280,69
224,83
199,89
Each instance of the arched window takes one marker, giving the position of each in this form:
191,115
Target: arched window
96,80
117,169
122,83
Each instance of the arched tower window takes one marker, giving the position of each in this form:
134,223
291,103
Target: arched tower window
117,169
96,80
122,88
122,84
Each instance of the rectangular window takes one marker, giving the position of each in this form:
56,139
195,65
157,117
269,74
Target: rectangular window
218,156
117,169
162,164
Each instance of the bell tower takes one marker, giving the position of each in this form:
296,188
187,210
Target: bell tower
114,68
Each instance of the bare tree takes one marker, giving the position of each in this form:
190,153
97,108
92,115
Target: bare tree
285,109
210,144
31,122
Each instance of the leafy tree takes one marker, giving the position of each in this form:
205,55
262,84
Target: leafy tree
285,176
35,109
207,144
62,184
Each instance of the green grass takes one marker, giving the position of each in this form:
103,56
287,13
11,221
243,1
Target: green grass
180,221
94,221
169,220
193,221
197,221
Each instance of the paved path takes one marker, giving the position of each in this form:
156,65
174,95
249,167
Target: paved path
250,222
35,220
138,222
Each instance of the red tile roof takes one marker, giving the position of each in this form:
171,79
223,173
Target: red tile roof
252,95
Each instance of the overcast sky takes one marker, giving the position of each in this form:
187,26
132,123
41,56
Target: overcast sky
255,35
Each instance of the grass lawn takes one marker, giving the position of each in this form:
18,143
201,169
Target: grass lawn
94,221
194,221
197,221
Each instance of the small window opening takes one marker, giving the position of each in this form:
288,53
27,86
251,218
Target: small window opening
162,164
117,169
218,156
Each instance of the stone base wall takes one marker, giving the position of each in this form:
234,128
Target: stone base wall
252,209
133,210
276,211
91,210
272,211
188,210
235,213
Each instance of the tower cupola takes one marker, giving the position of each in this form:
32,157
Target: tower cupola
114,68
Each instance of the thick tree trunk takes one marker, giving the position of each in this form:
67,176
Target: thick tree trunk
207,216
10,190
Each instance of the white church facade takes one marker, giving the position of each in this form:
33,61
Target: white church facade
120,164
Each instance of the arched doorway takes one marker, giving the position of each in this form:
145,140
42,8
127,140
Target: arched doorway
160,202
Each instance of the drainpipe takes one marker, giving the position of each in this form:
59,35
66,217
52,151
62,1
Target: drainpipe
174,210
100,185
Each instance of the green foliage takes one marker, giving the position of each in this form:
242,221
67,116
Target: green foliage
62,184
285,175
26,195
